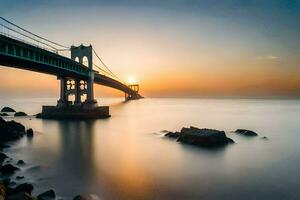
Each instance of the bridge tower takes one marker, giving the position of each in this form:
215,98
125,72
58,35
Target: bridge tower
134,87
78,87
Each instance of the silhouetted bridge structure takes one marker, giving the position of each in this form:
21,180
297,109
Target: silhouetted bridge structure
75,77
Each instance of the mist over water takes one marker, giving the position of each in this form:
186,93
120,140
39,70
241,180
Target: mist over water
127,157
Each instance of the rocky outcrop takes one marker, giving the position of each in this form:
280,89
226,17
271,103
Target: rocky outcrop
48,195
25,187
19,114
201,137
3,114
3,156
7,109
172,134
29,132
245,132
8,169
10,130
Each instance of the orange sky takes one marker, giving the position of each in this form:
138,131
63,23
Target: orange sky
188,52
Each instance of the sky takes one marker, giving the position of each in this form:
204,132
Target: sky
172,48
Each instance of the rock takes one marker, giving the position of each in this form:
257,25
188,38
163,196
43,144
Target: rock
20,196
8,169
24,187
20,162
203,137
245,132
3,146
39,115
19,177
48,195
3,156
84,197
29,132
264,138
3,114
7,109
2,191
18,114
172,134
10,130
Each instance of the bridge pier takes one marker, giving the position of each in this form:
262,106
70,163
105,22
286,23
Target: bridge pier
73,86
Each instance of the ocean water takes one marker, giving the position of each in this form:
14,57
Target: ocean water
126,156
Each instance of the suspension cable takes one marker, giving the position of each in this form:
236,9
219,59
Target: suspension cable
28,37
63,46
112,74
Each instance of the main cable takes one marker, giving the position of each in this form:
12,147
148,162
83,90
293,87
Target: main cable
11,23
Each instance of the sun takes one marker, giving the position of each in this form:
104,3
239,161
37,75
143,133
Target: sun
131,80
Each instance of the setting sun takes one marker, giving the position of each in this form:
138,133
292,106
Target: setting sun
131,80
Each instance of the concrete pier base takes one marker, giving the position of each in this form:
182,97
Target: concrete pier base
74,112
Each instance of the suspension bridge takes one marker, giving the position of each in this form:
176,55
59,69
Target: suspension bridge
20,48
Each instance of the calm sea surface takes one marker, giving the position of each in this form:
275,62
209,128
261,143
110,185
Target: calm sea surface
126,156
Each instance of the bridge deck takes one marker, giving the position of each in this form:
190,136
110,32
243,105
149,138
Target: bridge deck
17,54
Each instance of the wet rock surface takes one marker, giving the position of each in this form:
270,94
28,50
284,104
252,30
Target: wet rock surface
203,137
7,109
48,195
29,132
245,132
8,169
19,114
10,130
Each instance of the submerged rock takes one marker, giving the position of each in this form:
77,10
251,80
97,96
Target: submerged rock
19,177
29,132
20,196
24,187
172,134
246,132
3,156
3,114
201,137
48,195
20,162
8,169
7,109
264,138
18,114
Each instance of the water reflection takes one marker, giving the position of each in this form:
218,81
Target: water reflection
121,158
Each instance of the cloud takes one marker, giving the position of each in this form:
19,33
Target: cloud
271,57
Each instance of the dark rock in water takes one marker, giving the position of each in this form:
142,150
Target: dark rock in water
20,196
3,114
19,177
20,162
8,169
172,134
83,197
246,132
25,187
39,115
48,195
29,132
203,137
264,138
7,109
18,114
3,156
3,146
10,130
